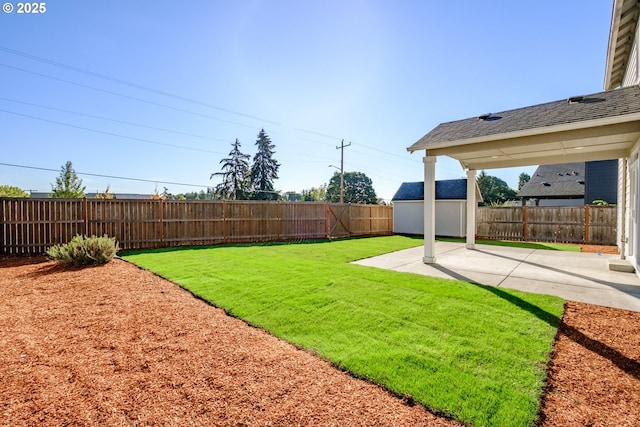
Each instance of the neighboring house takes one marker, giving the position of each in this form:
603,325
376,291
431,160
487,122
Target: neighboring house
582,128
451,195
572,184
555,185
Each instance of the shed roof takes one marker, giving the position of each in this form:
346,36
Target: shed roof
448,189
564,181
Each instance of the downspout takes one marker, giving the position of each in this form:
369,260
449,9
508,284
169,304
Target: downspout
623,203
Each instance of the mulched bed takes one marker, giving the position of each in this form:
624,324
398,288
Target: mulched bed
603,249
115,345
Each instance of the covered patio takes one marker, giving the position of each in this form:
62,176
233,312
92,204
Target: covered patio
600,126
575,276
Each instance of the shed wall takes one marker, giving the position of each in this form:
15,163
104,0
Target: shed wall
451,217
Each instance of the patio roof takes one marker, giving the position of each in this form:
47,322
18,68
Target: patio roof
599,126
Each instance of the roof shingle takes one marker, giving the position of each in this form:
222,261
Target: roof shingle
590,107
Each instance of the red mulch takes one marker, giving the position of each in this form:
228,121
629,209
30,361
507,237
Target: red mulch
603,249
115,345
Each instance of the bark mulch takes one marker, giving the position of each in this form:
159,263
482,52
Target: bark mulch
603,249
115,345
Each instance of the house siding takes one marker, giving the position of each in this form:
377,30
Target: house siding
631,76
601,181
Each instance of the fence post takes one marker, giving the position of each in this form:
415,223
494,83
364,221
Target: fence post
586,224
85,215
224,220
279,214
161,222
327,221
525,217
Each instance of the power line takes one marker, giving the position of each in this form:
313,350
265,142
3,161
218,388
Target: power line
135,85
163,93
158,104
133,138
107,176
152,90
113,120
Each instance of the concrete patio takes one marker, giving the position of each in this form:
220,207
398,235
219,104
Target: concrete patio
574,276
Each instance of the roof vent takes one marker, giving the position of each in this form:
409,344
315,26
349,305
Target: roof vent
575,99
561,174
484,117
580,181
546,184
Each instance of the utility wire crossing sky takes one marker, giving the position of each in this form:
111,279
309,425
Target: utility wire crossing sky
151,94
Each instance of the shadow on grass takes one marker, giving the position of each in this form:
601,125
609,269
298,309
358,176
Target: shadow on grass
626,364
525,245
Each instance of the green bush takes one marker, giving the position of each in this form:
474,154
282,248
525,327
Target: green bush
84,250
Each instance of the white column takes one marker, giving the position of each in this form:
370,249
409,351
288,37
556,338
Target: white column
471,209
429,209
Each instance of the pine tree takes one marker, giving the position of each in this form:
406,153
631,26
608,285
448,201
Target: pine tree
264,169
68,185
235,175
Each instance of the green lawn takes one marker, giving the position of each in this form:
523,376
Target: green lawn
475,353
527,245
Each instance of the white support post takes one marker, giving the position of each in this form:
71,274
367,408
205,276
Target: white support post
429,209
471,209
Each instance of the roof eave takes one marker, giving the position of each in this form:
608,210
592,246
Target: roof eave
611,48
527,132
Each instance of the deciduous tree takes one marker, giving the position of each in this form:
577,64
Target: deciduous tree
494,190
11,191
523,178
358,188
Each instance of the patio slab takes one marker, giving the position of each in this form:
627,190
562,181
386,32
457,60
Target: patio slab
574,276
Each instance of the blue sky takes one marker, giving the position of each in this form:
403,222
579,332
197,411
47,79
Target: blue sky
159,90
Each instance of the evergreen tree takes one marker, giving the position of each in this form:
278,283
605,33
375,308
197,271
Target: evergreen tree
358,188
68,185
264,169
235,175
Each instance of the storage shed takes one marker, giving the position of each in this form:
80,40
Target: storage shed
451,208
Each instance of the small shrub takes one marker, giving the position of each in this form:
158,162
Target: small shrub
84,250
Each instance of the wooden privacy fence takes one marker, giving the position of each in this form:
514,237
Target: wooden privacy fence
576,224
30,226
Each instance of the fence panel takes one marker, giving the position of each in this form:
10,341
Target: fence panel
556,224
303,221
602,225
30,226
192,223
136,224
575,224
500,223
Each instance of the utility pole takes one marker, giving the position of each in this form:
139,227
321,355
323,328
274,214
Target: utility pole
341,147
